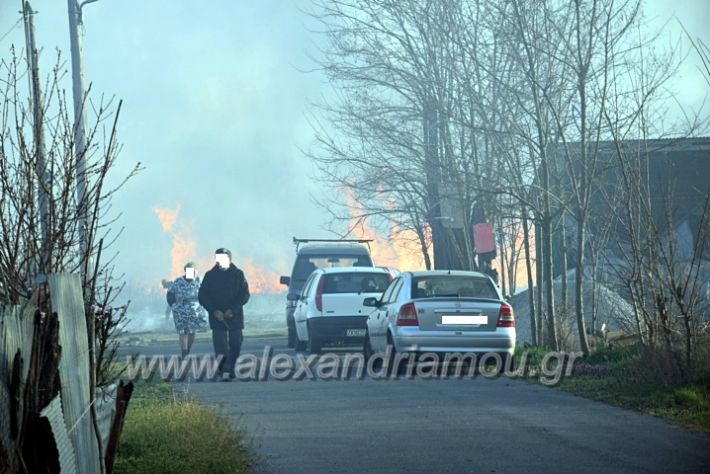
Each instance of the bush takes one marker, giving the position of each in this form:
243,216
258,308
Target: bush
166,435
687,397
641,379
534,357
614,355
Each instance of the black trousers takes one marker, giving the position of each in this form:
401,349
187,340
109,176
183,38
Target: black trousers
227,341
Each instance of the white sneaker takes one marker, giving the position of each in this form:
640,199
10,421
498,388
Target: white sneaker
226,377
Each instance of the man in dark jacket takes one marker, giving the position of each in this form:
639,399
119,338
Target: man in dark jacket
223,292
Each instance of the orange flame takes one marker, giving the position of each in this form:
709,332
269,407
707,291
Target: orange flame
260,279
400,250
167,217
513,247
184,249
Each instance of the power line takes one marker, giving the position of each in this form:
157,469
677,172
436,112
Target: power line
10,30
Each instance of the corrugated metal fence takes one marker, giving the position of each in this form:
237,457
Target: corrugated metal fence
69,413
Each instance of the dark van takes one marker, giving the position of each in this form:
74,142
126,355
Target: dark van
312,254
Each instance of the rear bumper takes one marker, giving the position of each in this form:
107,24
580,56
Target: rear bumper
412,339
335,328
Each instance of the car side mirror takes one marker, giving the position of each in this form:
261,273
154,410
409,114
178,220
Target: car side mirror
284,280
292,297
371,302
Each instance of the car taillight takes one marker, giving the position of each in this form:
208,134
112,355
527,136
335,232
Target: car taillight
407,315
319,294
506,319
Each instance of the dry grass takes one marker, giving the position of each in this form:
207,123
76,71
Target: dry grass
163,434
638,379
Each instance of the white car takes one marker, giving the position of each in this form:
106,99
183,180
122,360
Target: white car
441,311
331,308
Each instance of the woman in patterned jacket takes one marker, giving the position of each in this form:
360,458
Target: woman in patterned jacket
187,312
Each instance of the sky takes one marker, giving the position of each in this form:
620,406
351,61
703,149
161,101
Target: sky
215,106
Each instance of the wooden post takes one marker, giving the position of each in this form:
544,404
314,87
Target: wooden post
123,396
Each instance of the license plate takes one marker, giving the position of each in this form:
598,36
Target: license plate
463,320
354,332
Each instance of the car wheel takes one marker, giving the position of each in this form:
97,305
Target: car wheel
292,339
367,351
401,368
300,345
314,344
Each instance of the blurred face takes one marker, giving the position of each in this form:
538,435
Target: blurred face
190,273
222,260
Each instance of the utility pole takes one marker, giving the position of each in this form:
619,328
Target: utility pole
44,179
432,162
76,34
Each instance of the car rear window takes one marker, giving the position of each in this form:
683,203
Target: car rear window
306,264
355,282
438,286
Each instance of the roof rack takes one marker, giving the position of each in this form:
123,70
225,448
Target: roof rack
298,241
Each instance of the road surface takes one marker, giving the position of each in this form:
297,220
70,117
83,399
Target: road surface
478,426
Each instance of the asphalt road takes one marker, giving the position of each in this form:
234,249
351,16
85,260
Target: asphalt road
455,425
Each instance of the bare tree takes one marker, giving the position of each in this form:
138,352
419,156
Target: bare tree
376,152
534,45
409,127
19,220
499,105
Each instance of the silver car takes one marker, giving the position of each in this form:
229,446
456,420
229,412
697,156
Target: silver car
441,311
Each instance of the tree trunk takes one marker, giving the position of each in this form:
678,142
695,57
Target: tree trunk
528,268
546,236
595,261
425,251
688,342
564,302
540,283
501,244
579,286
512,261
433,179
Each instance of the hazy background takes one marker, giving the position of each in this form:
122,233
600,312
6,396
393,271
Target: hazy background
215,107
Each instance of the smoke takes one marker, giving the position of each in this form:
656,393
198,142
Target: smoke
400,249
184,248
264,311
147,319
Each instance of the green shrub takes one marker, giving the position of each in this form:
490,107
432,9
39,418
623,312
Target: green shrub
687,397
534,357
640,379
614,355
166,435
